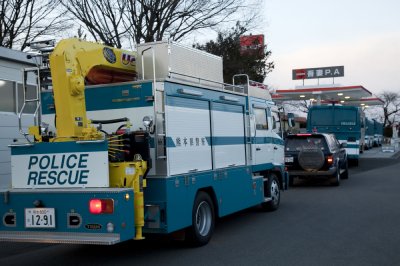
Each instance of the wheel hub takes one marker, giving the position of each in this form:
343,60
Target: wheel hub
203,218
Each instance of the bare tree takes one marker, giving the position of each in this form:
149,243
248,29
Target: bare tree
112,21
23,21
391,107
374,112
151,20
297,106
101,18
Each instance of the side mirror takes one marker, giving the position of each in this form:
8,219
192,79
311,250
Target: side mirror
147,122
290,117
273,122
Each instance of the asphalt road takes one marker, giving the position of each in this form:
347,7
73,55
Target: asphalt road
357,223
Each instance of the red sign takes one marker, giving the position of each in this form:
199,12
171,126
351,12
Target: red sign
252,44
299,74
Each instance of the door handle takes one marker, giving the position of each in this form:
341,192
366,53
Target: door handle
275,148
258,149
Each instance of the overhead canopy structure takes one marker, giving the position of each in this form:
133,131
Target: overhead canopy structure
347,95
365,102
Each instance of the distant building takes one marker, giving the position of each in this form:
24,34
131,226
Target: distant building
11,99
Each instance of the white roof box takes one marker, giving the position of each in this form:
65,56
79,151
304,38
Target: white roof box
177,61
259,90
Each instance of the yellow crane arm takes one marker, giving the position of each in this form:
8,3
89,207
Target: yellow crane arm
74,62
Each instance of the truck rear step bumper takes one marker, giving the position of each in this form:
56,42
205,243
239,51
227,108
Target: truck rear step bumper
60,238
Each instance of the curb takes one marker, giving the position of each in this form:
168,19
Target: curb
396,155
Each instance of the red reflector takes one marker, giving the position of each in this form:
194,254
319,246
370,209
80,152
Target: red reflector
99,206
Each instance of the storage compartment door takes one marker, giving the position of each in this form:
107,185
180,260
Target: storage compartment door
188,135
228,135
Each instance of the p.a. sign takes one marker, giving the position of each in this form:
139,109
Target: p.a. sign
319,72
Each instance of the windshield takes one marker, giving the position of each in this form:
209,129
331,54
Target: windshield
305,142
342,117
345,117
321,117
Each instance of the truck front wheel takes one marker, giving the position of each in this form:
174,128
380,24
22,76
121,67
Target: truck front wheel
271,193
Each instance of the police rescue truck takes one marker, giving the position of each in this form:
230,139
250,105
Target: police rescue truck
128,144
346,122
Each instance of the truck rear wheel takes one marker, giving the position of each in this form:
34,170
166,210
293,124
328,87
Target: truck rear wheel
203,220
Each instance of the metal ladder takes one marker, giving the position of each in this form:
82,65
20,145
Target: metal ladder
245,87
159,112
43,81
35,100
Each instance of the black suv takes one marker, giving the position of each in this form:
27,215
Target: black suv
315,155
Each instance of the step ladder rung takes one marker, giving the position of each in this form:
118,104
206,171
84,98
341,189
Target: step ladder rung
31,100
267,199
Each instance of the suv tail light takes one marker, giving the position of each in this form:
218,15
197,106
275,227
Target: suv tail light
100,206
329,159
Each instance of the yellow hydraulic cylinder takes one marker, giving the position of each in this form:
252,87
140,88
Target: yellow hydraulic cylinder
139,215
130,174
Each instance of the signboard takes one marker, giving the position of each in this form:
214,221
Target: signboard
60,170
252,44
319,72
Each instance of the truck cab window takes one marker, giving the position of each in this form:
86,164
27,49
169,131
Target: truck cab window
7,99
261,119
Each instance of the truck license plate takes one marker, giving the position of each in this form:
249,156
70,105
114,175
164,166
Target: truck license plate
40,218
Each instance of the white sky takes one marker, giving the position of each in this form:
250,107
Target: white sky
362,35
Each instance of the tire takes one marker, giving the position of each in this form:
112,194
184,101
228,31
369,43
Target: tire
203,221
311,159
272,191
345,174
335,180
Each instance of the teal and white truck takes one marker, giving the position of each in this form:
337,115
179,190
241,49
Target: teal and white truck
378,133
167,152
369,134
346,122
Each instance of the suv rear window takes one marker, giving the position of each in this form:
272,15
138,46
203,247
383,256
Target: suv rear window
297,143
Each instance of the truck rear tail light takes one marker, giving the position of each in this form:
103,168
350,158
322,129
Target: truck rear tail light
100,206
329,159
